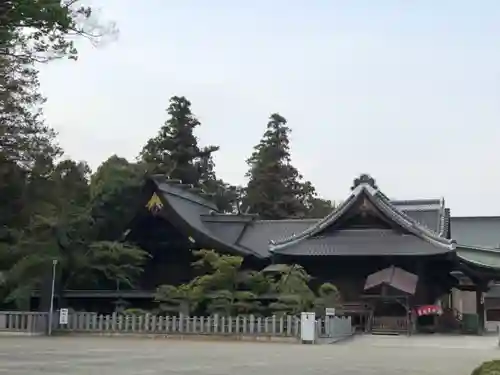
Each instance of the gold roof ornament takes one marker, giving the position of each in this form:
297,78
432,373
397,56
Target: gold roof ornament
154,204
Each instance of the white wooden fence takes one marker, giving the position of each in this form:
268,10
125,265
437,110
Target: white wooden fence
85,322
23,322
288,326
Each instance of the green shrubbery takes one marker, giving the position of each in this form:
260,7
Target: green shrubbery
488,368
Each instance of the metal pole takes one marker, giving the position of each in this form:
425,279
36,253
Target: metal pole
51,310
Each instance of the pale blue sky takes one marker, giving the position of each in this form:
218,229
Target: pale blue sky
408,91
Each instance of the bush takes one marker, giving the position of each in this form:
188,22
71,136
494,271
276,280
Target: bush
488,368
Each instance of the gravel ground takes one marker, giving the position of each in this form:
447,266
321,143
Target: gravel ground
136,356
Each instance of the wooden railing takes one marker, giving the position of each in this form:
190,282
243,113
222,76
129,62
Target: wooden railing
23,322
83,322
389,324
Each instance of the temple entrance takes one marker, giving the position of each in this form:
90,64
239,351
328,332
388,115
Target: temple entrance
389,292
390,315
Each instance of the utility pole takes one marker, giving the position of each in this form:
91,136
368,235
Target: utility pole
51,309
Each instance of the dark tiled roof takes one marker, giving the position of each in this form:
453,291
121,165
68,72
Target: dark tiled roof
431,213
190,208
256,234
262,232
229,231
364,242
364,191
247,234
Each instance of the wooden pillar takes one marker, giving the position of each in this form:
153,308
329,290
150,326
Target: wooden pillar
421,290
480,308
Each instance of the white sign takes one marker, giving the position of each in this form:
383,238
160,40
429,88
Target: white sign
308,327
63,316
330,311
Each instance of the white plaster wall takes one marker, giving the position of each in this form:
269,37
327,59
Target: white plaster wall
491,326
469,302
464,301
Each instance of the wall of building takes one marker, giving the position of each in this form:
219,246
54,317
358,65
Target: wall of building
465,302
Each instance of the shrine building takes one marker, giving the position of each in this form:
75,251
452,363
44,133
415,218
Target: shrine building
393,261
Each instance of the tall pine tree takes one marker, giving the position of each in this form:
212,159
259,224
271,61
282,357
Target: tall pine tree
276,189
175,151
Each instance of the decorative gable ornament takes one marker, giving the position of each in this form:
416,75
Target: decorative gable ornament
154,204
364,179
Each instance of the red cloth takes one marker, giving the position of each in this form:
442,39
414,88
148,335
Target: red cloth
429,310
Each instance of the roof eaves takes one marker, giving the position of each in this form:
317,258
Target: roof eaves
383,203
414,226
487,251
322,223
184,191
207,234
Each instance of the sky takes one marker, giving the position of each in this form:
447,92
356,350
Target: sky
406,91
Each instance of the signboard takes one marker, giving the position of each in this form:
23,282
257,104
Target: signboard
63,316
308,327
429,310
330,311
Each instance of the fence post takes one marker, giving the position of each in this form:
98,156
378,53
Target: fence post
296,328
223,325
201,322
29,323
113,321
181,322
175,326
160,324
208,325
153,325
168,324
147,322
99,322
133,324
216,323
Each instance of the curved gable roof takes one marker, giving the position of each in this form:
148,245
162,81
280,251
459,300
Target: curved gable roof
184,207
365,189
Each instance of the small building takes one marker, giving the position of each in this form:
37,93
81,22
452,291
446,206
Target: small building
395,262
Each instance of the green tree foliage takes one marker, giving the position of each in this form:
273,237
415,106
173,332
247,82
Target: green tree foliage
33,31
175,153
114,188
24,138
276,189
293,294
488,368
328,296
223,287
319,208
46,207
41,30
60,226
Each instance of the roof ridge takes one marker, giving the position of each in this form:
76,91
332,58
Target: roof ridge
429,233
184,191
366,184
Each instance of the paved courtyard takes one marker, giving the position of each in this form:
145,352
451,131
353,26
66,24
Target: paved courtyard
139,356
